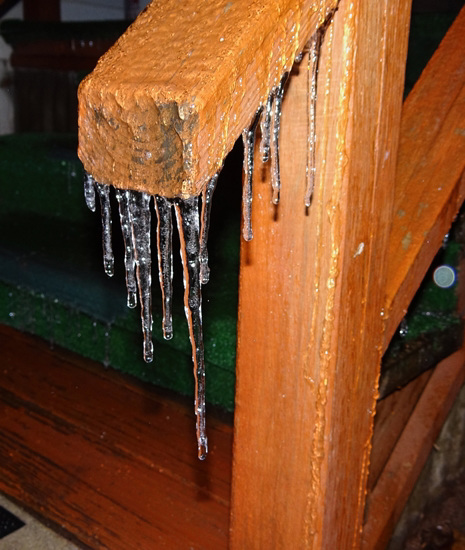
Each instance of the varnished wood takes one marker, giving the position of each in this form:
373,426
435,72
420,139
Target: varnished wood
166,104
111,461
429,185
398,478
392,413
312,296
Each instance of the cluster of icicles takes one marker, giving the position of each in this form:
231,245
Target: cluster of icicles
193,220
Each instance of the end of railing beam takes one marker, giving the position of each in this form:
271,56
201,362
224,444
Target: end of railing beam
167,102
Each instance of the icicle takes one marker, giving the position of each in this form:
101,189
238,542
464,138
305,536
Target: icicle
187,217
277,107
89,191
129,260
165,261
139,205
206,211
248,138
108,258
312,81
265,128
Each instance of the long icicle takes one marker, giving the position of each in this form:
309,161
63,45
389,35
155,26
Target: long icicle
105,208
187,217
248,138
129,258
139,204
204,228
163,208
312,95
276,125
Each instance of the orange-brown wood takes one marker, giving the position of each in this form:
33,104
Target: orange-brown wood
392,413
311,296
398,478
429,185
107,459
165,105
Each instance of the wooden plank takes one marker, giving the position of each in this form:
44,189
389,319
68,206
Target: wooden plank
392,414
109,461
311,296
165,105
390,495
430,185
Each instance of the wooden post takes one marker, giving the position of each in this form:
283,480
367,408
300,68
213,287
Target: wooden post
312,294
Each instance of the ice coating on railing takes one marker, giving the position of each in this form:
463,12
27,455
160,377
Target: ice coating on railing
207,196
312,95
89,191
129,258
139,207
187,216
164,211
276,126
193,227
108,258
265,128
248,139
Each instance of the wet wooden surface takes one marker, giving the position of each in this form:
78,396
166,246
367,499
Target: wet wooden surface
312,295
388,498
166,104
430,180
111,461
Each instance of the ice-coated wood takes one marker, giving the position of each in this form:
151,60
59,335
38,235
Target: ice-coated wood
430,185
312,291
167,102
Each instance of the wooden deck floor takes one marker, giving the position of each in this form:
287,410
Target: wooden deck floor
109,460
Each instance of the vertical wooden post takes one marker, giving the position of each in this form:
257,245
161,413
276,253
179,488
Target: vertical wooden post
312,296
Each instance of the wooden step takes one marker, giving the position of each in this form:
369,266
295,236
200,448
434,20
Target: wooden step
111,461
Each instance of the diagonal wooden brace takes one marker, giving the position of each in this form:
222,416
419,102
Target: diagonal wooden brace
166,103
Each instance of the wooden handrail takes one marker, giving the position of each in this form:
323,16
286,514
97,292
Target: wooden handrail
167,102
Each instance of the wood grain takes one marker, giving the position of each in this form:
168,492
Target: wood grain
312,293
111,461
430,181
398,478
165,105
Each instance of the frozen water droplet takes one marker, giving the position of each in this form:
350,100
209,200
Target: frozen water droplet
248,138
89,191
105,208
276,124
139,205
206,212
129,260
187,217
163,208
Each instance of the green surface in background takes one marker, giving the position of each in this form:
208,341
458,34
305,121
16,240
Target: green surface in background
53,283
